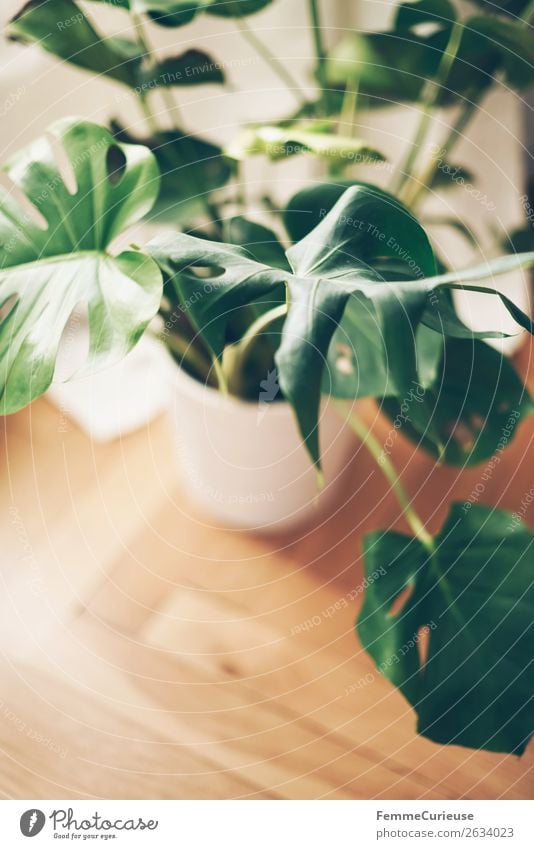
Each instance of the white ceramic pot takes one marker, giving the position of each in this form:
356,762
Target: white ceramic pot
244,464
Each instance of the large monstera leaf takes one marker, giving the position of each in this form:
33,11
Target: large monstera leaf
366,270
470,411
460,649
55,256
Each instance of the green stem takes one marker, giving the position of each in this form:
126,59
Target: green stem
348,107
455,133
320,51
242,350
221,377
149,116
137,22
528,14
269,57
258,327
172,107
185,350
431,94
404,173
453,137
376,450
171,104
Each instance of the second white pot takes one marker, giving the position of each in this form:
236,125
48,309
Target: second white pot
245,464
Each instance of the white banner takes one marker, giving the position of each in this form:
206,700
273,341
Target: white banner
267,825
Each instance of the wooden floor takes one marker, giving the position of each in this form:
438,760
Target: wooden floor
146,655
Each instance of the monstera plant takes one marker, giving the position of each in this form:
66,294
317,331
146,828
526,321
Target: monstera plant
54,254
435,55
362,281
344,295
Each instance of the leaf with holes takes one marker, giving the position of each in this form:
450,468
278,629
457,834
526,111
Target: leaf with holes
368,252
460,649
54,240
471,411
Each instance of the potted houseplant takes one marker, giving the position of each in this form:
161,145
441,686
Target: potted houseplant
352,303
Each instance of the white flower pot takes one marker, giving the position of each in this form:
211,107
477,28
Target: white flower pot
244,463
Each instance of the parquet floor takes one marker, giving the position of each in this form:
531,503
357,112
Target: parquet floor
145,654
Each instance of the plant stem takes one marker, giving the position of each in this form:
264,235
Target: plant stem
320,52
170,102
185,349
348,107
404,172
258,327
247,341
149,116
431,94
172,107
269,57
375,449
528,13
221,377
453,137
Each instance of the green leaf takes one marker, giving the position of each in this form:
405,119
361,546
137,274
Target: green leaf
62,28
367,235
259,241
368,251
191,167
512,8
519,240
280,142
194,67
471,411
474,597
50,266
212,280
515,44
389,67
439,314
357,364
454,224
236,8
306,209
174,13
448,175
440,13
